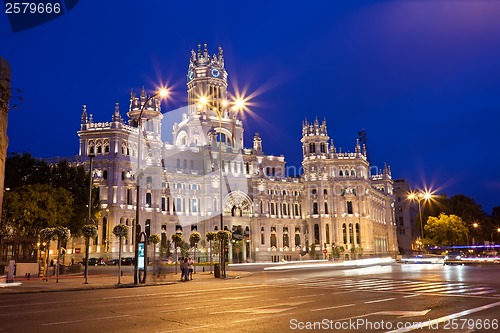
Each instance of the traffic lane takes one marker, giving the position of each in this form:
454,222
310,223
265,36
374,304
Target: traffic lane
487,275
257,308
117,309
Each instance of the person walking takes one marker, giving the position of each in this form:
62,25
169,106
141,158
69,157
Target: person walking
184,269
190,268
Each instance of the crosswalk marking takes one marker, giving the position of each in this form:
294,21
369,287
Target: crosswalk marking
404,286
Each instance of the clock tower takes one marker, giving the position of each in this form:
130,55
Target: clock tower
207,81
209,108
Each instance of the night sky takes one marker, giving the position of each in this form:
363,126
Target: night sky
421,77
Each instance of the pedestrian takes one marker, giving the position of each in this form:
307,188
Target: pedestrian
184,268
190,268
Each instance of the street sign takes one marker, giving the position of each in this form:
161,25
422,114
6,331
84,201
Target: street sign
325,251
77,250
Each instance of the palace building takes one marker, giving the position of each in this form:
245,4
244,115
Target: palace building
203,165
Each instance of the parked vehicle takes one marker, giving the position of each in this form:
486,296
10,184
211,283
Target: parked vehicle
94,261
112,262
128,261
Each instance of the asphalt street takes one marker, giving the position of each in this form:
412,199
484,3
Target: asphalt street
385,298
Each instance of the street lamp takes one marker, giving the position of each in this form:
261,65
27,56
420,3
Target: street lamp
91,156
162,93
475,225
497,230
419,196
238,104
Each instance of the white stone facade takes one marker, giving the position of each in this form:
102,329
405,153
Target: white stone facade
273,217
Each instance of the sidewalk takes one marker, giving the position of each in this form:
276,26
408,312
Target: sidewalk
102,281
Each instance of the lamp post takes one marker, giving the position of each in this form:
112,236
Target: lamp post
475,225
162,93
225,105
91,158
497,230
419,196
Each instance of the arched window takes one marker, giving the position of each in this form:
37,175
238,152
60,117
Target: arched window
286,240
129,196
273,240
148,199
163,203
344,233
297,239
147,229
312,148
316,234
315,208
351,235
104,230
327,232
105,174
340,173
326,208
358,234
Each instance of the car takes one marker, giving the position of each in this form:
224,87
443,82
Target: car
112,262
454,258
94,261
128,261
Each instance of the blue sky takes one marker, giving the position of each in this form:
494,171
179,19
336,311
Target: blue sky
421,77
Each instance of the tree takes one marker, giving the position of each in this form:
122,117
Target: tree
62,234
223,236
24,170
31,208
177,239
120,231
446,230
210,236
88,231
194,238
47,234
154,239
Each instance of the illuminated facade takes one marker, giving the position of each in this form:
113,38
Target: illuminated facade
273,217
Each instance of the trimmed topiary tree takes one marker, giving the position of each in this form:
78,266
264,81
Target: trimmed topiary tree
154,239
120,231
88,231
195,238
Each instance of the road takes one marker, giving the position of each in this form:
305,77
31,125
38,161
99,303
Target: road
384,298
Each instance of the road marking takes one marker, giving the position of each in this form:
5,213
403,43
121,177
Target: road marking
380,300
275,308
445,318
413,295
81,320
261,318
333,307
303,296
235,298
401,314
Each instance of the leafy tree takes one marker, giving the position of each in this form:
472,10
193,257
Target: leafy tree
120,231
24,170
194,238
211,236
62,234
446,230
88,231
30,208
47,234
154,239
177,239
